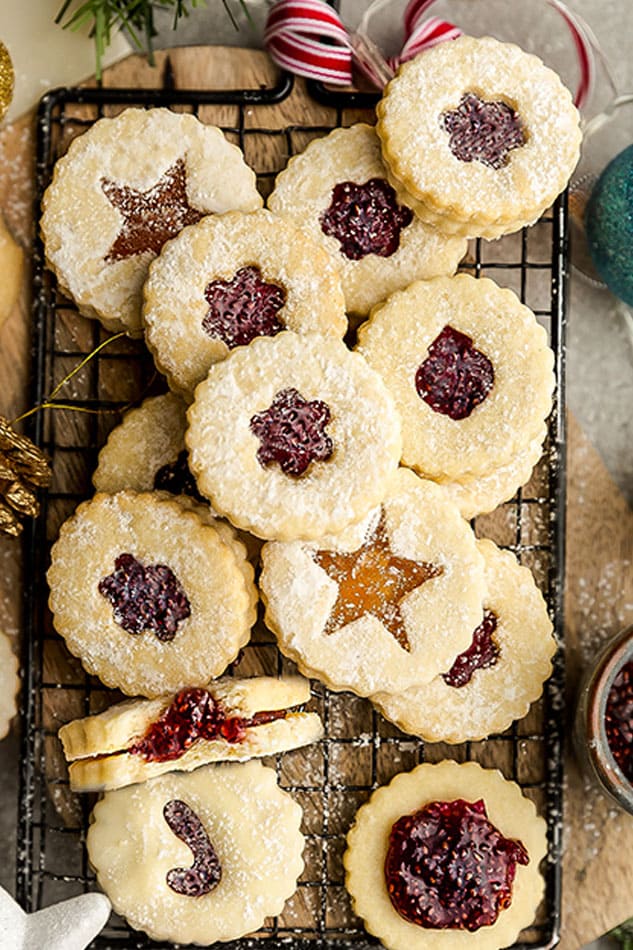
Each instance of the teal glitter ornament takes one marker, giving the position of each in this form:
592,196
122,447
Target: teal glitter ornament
609,225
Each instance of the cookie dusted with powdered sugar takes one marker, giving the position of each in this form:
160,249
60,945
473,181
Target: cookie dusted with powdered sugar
125,187
393,599
146,451
484,493
230,279
147,596
470,370
478,135
337,190
446,856
293,437
230,719
198,858
500,674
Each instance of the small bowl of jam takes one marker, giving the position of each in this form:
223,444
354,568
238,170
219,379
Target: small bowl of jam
603,729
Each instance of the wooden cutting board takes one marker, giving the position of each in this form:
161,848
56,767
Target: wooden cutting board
598,873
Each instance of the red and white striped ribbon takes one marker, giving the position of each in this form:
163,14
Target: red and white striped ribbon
307,37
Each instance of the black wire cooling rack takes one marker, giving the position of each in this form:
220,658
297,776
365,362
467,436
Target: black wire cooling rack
361,750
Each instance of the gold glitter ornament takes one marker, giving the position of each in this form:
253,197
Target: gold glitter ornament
23,469
7,79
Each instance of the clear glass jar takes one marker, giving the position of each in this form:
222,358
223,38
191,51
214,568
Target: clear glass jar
590,728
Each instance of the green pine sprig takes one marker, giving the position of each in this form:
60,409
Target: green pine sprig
135,17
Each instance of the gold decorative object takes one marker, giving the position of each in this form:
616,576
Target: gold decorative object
23,469
7,79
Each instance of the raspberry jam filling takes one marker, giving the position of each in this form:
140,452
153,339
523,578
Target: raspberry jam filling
243,308
292,432
195,714
150,217
482,653
365,219
618,720
373,580
455,377
206,872
482,131
145,597
448,867
176,478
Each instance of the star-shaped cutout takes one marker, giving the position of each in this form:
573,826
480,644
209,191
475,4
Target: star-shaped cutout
373,580
70,925
292,432
150,217
482,131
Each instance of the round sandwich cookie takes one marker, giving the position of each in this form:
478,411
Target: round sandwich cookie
494,681
148,597
230,719
293,437
446,857
126,186
478,135
391,600
337,190
232,278
198,858
470,370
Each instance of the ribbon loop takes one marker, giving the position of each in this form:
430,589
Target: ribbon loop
308,38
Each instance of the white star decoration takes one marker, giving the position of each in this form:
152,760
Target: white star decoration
70,925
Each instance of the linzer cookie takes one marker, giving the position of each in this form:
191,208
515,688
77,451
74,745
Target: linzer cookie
147,596
501,673
337,190
293,436
392,600
470,370
484,493
230,279
198,858
146,452
446,856
479,136
125,187
230,719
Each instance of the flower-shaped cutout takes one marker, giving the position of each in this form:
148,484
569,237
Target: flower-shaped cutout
365,219
292,432
243,308
455,377
145,597
482,131
150,217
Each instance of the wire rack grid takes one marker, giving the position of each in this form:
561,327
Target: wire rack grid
360,750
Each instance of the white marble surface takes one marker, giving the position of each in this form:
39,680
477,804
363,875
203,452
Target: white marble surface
600,354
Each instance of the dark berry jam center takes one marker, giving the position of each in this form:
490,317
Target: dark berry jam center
195,714
243,308
365,219
150,217
206,872
448,867
145,597
455,377
482,653
292,432
483,131
176,478
618,720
